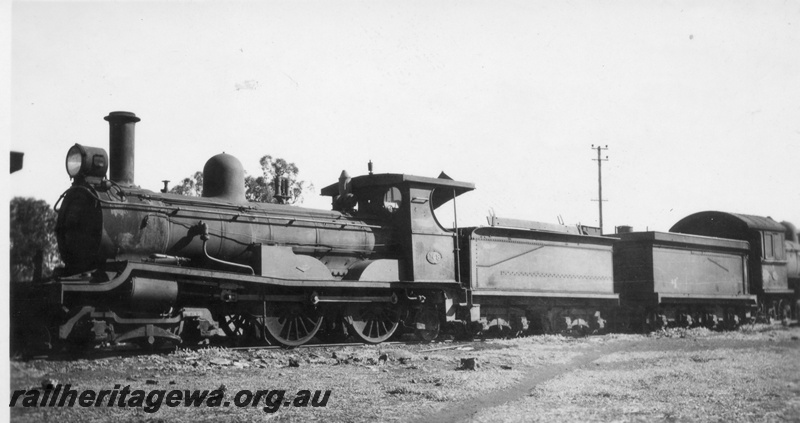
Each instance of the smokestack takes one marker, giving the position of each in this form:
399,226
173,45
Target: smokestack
121,146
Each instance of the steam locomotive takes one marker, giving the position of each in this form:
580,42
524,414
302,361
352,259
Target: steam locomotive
151,268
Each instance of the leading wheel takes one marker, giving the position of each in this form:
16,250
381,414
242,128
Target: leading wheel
292,324
373,323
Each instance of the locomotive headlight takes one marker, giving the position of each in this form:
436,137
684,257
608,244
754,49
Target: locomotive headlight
86,161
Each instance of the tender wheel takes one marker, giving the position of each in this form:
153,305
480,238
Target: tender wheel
732,319
785,312
426,324
373,323
292,324
766,312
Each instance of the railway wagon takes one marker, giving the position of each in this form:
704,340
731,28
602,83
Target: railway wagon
768,267
538,277
684,280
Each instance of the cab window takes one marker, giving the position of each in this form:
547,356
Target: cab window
772,246
392,199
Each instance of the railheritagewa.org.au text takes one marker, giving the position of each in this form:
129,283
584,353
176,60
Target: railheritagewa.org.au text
268,400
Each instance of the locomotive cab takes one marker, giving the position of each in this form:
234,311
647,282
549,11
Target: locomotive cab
767,264
407,203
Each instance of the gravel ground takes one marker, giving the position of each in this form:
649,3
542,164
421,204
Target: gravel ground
680,375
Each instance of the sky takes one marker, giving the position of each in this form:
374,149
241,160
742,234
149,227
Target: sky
697,101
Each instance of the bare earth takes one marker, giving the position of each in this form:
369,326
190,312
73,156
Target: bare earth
752,374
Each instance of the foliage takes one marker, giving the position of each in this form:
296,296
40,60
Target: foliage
33,224
262,188
192,185
257,188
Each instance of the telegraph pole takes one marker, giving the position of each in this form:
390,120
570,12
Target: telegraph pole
600,181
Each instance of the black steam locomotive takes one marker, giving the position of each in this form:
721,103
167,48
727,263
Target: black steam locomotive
149,267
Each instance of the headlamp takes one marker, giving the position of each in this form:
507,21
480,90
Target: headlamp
86,161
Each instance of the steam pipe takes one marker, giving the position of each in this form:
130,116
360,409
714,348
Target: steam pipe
121,146
204,236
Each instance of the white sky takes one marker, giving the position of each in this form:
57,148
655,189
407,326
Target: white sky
698,101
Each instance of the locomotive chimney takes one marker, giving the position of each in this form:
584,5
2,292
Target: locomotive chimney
121,146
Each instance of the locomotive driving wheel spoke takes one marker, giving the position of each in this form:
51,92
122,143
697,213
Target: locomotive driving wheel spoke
373,323
292,324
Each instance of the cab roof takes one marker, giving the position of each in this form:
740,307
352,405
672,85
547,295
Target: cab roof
716,223
438,196
394,179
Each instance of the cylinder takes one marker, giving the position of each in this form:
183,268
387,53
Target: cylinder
153,294
121,146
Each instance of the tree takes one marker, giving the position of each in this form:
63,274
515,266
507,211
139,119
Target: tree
257,188
192,185
262,188
32,238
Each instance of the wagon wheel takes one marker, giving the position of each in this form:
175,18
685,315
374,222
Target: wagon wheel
766,311
241,328
292,324
733,318
654,321
373,323
785,310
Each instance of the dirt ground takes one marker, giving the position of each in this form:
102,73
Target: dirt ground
752,374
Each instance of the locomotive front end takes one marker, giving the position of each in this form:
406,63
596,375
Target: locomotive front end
80,229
